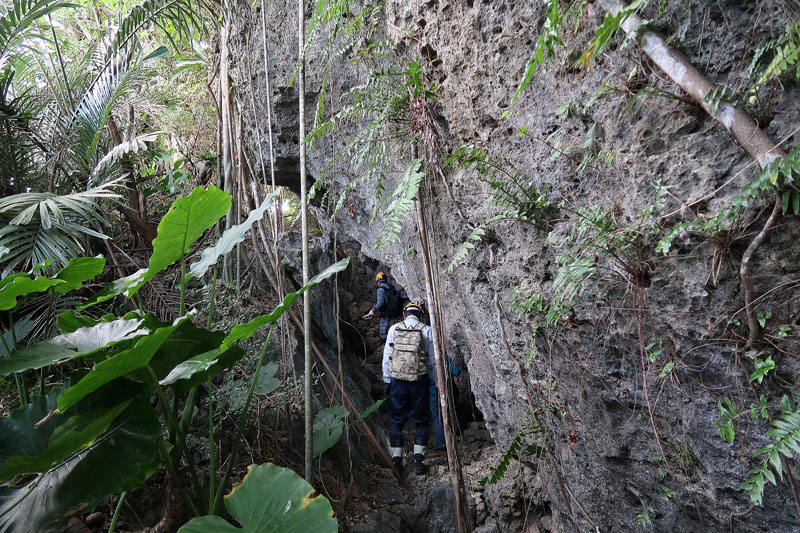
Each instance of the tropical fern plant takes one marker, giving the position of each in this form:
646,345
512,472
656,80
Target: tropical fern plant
785,435
512,192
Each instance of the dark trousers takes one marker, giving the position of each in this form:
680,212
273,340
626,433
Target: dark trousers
409,400
383,328
438,429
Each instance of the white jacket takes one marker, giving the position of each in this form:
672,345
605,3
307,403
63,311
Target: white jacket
427,341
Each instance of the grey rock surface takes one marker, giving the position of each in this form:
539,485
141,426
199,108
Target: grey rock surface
586,377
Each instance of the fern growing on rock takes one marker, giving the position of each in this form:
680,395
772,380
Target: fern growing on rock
785,435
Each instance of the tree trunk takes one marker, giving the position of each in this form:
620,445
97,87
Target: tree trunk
301,87
227,156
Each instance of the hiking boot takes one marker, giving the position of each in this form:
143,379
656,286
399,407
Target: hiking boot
398,465
420,468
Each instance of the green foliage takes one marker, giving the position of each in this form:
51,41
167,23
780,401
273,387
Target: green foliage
785,435
270,499
328,426
513,193
717,94
229,239
544,49
785,55
18,17
42,227
400,205
597,242
524,443
526,304
779,176
468,245
102,447
726,430
82,342
107,447
763,366
645,518
611,25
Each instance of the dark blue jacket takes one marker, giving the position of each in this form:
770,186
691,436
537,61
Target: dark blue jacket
382,304
455,371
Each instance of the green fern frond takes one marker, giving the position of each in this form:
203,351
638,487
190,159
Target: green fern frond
475,236
401,204
785,435
529,431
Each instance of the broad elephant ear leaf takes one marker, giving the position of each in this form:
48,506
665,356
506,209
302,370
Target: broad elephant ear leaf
246,330
97,468
228,240
185,222
124,362
22,285
270,499
79,343
78,270
328,424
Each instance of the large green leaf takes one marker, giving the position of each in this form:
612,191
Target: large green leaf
95,469
22,286
75,433
187,220
126,286
191,343
228,240
270,499
118,365
328,424
246,330
78,270
78,343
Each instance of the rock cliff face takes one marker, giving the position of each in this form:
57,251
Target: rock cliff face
601,136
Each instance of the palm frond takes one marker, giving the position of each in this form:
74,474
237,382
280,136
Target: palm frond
108,162
45,226
17,21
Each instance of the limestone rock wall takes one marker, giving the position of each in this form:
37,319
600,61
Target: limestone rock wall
586,375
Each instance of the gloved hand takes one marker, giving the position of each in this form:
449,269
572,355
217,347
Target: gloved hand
387,390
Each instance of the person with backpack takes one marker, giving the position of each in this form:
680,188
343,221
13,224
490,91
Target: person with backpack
407,356
388,305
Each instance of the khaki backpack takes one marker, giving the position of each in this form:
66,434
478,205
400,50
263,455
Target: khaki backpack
408,353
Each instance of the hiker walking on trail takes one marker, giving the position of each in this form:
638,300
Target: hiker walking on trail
407,356
388,304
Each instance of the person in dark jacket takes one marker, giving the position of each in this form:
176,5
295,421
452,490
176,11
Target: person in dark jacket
387,304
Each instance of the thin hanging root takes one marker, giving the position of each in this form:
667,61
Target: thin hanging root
744,274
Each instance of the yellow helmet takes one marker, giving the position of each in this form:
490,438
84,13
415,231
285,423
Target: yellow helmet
380,276
413,306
